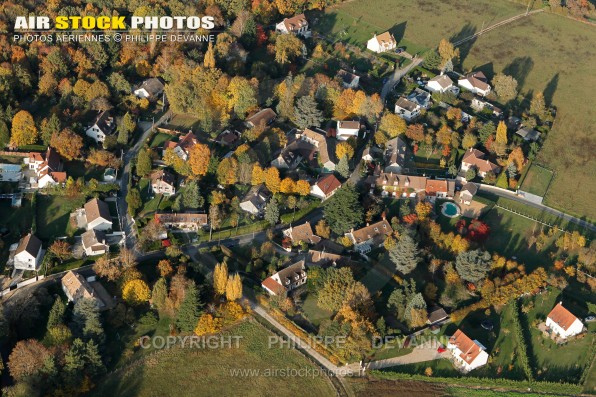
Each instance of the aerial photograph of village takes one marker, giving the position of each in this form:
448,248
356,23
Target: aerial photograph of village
280,198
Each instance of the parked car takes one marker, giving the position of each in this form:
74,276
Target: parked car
399,50
590,319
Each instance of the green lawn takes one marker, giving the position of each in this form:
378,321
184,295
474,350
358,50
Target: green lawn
77,169
208,372
536,180
159,139
313,312
17,220
53,213
11,159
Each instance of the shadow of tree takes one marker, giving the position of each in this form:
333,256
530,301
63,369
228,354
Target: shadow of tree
519,68
550,89
464,49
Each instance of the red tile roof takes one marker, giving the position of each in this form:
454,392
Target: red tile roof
469,349
562,316
328,184
272,285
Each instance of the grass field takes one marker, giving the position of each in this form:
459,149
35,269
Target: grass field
53,213
208,372
536,180
544,52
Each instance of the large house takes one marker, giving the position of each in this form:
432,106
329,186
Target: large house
294,153
381,43
286,279
407,109
396,185
420,97
183,146
326,160
474,158
94,242
295,25
440,83
395,155
263,117
228,138
76,287
47,169
347,129
468,353
301,233
97,215
440,188
325,258
467,193
476,82
103,125
563,323
28,253
255,201
162,182
150,89
370,236
185,221
325,187
347,79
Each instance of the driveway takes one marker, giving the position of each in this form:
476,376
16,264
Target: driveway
397,75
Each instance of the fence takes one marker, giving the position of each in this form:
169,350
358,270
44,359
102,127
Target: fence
22,284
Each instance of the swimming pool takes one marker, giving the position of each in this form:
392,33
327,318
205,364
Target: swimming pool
450,210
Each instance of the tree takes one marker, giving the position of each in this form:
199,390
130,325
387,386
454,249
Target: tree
302,187
287,186
432,60
191,196
447,51
4,135
287,47
306,113
505,87
23,131
125,128
190,309
258,175
272,212
209,60
538,105
134,201
136,292
473,266
343,210
57,313
27,359
207,324
469,140
144,163
103,158
423,210
198,159
415,312
271,179
227,171
49,127
415,132
220,278
405,254
214,217
392,125
339,289
486,131
165,268
322,229
234,288
159,293
242,95
67,143
109,269
60,249
87,321
344,149
343,168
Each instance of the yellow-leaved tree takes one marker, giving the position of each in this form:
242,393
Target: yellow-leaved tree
302,188
23,130
220,278
344,149
198,159
136,292
207,325
234,287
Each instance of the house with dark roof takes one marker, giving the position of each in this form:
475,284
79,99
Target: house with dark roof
183,146
406,109
468,354
370,236
395,155
474,158
229,138
528,134
162,182
151,89
286,279
381,43
437,315
262,117
347,79
325,187
101,126
563,323
295,25
475,82
255,200
325,258
94,242
296,151
185,221
28,253
420,97
325,149
301,233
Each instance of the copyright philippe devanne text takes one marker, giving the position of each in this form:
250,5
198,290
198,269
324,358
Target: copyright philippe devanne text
75,37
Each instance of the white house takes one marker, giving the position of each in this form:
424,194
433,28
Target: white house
94,242
381,43
75,287
476,82
467,193
440,83
286,279
347,129
347,79
151,89
28,253
370,236
47,169
467,353
325,187
102,126
255,201
407,109
474,158
97,215
162,182
563,323
295,25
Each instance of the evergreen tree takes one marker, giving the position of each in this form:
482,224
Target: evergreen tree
126,127
49,127
56,316
86,321
343,210
191,197
473,266
134,201
405,254
144,163
4,135
486,131
272,212
306,113
159,293
190,309
3,326
343,167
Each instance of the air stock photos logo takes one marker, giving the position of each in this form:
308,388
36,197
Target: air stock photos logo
113,28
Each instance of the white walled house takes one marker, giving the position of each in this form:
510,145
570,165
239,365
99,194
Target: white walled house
475,82
347,79
97,215
347,129
467,353
296,25
563,323
94,242
474,158
325,187
381,43
286,279
28,254
103,125
162,182
370,236
440,83
150,89
467,193
407,109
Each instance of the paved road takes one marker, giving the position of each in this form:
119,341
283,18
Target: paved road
127,222
511,195
397,75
